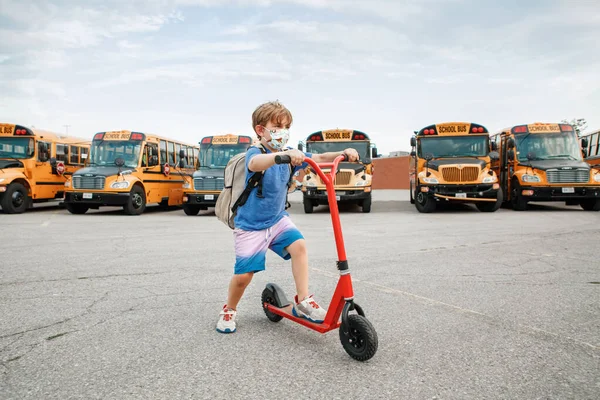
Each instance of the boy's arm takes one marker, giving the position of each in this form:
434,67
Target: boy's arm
261,162
329,157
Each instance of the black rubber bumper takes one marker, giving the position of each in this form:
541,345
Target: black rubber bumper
484,191
557,194
100,199
200,200
320,196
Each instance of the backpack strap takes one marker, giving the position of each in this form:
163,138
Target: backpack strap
254,181
289,185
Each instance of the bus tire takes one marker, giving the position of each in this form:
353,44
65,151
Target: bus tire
136,204
518,202
15,199
77,208
424,203
366,204
590,204
412,198
191,210
489,206
308,206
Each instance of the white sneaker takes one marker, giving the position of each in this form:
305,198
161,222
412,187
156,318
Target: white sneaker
226,323
309,309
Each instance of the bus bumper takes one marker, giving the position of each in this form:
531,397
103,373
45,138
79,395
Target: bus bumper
97,199
203,200
533,193
319,196
481,192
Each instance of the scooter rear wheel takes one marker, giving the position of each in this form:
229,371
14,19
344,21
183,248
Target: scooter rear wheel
267,297
359,338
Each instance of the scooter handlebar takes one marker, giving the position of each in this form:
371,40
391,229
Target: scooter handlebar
285,159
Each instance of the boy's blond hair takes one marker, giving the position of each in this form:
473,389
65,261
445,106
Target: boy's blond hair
272,111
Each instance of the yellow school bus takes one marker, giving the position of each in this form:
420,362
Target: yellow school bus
34,165
215,153
352,181
450,162
131,169
590,143
544,162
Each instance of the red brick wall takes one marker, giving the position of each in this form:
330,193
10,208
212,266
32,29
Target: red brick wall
390,173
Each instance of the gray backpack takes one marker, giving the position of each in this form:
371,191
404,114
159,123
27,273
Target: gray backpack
235,192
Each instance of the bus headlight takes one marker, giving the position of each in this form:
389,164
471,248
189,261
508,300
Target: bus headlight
490,179
67,183
311,184
431,180
361,183
596,178
531,178
120,185
187,185
1,179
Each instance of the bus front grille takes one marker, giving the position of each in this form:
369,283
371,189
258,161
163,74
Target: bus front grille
568,176
341,178
465,174
208,183
88,182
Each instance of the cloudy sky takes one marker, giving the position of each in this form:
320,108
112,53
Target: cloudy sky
190,68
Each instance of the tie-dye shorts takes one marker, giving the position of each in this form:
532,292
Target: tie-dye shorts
251,246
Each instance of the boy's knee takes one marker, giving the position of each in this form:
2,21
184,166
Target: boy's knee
243,280
297,249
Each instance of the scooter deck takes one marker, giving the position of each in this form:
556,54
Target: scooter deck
286,312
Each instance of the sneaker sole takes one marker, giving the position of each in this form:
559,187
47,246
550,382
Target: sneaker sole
305,317
226,330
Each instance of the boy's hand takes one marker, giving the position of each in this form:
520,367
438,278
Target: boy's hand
352,154
296,155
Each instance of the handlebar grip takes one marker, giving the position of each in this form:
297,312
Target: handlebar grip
282,159
345,157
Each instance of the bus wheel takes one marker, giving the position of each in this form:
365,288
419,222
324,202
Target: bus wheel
366,204
136,204
489,206
77,208
191,210
15,199
308,206
424,203
590,205
412,198
518,202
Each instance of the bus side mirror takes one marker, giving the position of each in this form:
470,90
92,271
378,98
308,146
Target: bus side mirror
511,154
182,163
413,153
374,152
494,156
181,153
494,146
413,142
511,143
585,154
153,161
531,156
53,162
584,143
428,157
119,162
300,147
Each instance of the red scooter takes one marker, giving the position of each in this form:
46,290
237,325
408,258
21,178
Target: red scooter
357,334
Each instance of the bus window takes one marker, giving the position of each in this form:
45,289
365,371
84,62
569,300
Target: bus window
171,153
594,144
177,148
62,152
43,151
196,151
84,154
74,155
190,152
163,152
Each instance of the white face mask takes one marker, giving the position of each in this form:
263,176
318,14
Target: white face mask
279,138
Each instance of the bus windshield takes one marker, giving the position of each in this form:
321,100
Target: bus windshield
324,147
106,152
217,156
19,148
548,146
454,146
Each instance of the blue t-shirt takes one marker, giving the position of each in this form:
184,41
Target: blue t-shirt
262,213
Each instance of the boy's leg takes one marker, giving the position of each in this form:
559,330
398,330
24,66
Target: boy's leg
297,251
237,286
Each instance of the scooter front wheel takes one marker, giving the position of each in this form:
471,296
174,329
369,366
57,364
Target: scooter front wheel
358,337
269,298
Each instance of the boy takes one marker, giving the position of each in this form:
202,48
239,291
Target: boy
262,222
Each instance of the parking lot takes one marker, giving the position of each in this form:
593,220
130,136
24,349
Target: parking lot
467,305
